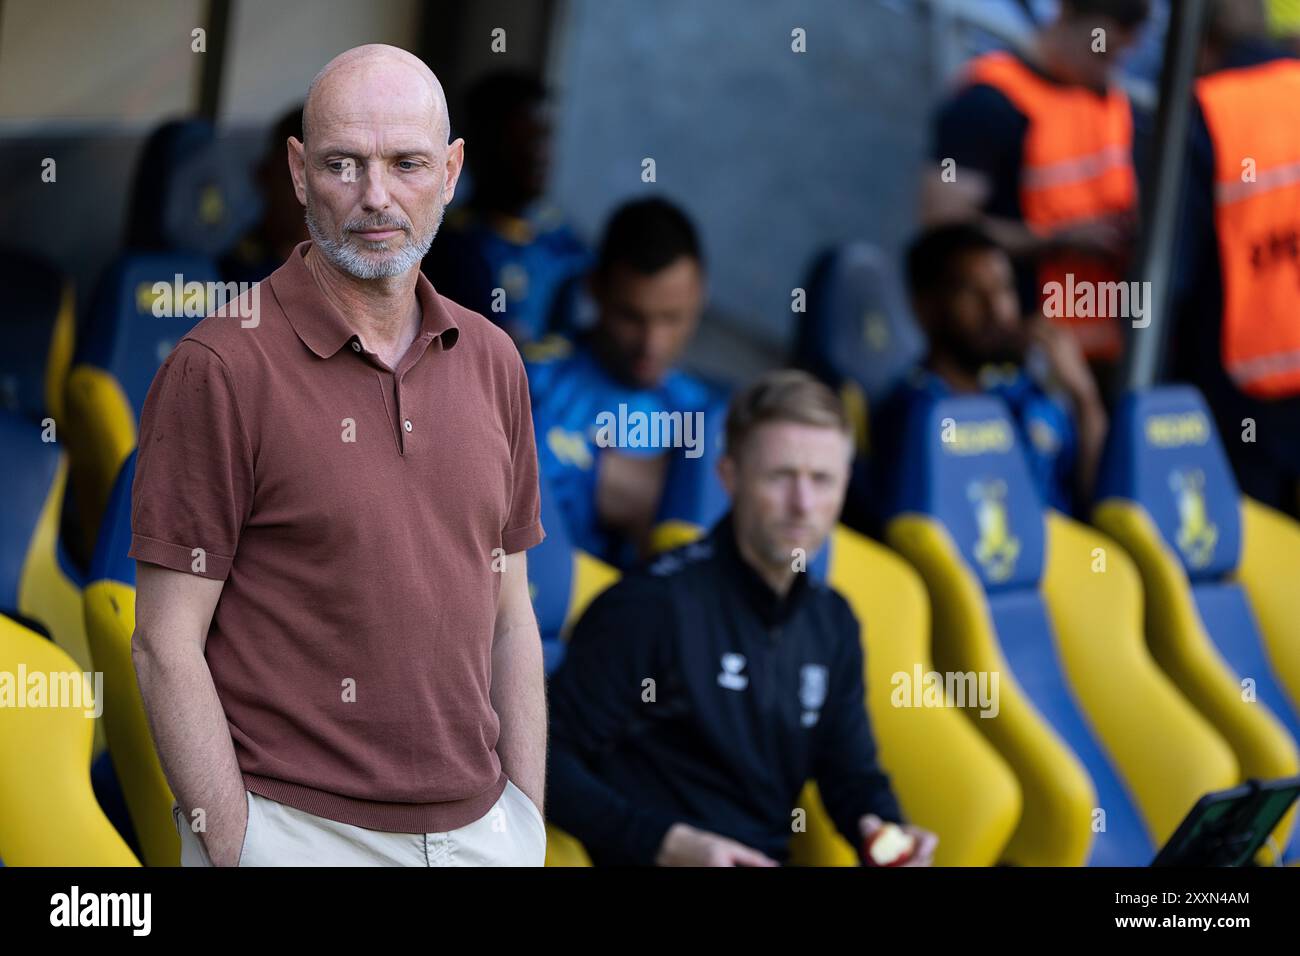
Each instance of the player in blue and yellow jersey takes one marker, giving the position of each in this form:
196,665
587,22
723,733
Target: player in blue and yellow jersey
648,286
505,253
964,296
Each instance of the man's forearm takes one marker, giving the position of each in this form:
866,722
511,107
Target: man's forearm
192,737
519,698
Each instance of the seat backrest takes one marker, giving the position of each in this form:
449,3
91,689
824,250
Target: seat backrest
48,812
110,623
38,321
1167,491
145,304
140,311
1164,453
562,580
932,755
190,194
1165,457
38,583
111,561
857,332
1269,568
963,469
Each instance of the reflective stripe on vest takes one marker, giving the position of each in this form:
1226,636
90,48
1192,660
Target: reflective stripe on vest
1253,115
1077,165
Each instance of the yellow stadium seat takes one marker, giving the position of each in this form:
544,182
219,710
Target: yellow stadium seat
1269,571
1057,793
110,623
946,776
1167,494
1098,621
1110,756
48,812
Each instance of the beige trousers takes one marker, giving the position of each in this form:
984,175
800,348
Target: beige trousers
510,834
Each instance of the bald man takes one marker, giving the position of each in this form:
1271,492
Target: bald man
334,640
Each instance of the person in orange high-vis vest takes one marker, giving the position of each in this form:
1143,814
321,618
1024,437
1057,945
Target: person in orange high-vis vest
1237,282
1253,117
1039,149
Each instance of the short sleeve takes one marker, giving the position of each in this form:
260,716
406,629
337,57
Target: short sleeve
193,488
523,528
980,129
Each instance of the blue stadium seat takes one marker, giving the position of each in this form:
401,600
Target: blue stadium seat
189,204
562,581
189,193
1208,557
38,583
857,333
1109,755
123,346
110,623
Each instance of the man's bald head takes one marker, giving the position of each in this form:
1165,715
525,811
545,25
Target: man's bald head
375,170
375,68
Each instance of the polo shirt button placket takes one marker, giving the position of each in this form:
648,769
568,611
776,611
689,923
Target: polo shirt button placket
356,346
407,425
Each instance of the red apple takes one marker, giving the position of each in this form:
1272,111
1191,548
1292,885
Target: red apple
890,845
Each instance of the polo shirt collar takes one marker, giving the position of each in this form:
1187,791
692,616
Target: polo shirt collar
321,327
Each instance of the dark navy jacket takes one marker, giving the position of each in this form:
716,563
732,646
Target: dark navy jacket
691,692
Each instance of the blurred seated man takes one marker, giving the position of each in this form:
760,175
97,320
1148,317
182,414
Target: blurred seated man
701,693
1036,146
962,285
268,244
1236,298
648,285
505,253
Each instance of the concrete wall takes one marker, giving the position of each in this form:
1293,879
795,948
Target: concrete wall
774,153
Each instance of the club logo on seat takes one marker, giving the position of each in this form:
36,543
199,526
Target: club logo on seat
997,549
1197,534
875,330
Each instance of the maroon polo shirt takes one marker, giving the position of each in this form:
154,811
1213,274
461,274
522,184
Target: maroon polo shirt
354,513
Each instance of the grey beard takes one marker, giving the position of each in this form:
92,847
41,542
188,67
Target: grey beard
357,264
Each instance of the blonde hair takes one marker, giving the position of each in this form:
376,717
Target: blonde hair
785,395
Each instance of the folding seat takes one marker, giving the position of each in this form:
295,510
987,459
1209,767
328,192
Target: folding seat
1221,574
562,581
48,812
38,582
1109,755
948,779
110,623
857,333
183,216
